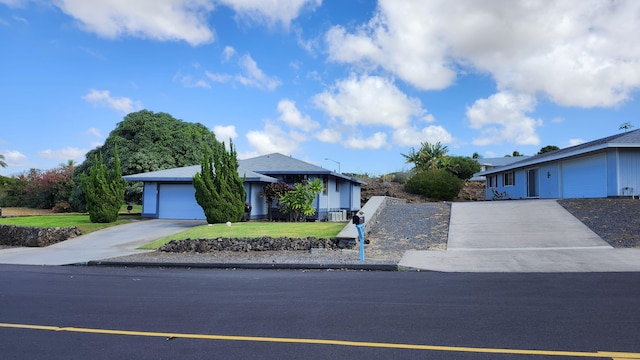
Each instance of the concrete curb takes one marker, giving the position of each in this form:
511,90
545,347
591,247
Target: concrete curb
249,266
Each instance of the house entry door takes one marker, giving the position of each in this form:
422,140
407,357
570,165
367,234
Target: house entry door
532,183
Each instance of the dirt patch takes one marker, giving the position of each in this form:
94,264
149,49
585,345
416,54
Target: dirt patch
616,221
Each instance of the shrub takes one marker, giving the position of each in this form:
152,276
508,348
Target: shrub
436,184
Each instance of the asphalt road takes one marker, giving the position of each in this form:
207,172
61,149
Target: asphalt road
119,313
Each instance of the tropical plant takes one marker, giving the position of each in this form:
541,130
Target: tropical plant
104,190
462,167
219,190
435,184
298,203
2,163
428,157
273,191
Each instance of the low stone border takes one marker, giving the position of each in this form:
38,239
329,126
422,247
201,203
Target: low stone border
29,236
265,243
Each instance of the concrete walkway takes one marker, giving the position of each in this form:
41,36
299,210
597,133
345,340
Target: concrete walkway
521,236
114,241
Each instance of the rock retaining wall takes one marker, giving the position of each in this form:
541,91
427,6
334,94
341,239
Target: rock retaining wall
13,235
258,244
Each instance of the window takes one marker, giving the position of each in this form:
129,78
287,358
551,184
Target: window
493,181
337,185
509,178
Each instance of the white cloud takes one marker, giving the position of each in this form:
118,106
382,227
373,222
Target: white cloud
271,12
375,141
68,153
95,132
331,136
250,75
291,116
169,20
189,82
369,100
228,53
104,98
414,137
574,52
224,133
575,141
14,158
253,76
501,117
273,139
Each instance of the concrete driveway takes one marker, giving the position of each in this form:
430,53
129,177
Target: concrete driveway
521,236
114,241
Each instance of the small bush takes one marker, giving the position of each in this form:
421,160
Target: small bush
436,184
61,207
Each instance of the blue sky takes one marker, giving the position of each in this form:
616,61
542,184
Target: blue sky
356,82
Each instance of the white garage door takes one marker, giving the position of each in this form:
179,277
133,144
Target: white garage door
585,177
177,201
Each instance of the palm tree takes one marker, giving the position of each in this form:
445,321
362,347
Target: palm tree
429,157
2,163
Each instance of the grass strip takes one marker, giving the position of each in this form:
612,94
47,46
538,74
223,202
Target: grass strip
322,230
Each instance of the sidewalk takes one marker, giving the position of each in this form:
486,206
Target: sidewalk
521,236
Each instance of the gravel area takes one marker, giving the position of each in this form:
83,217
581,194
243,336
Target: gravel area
399,227
616,221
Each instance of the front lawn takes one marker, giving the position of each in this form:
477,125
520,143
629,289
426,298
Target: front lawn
321,230
52,221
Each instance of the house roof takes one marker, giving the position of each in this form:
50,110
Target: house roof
500,161
255,169
630,139
186,174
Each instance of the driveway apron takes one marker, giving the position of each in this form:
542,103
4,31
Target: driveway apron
121,240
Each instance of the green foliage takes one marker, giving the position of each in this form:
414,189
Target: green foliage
104,190
219,190
12,191
435,184
428,157
2,163
273,191
299,202
148,141
463,167
547,149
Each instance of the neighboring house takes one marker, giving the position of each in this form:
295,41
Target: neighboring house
169,194
606,167
492,163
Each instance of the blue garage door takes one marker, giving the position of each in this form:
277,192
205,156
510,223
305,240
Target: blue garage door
585,177
177,201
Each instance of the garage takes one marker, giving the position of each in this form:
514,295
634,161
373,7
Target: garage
178,201
585,177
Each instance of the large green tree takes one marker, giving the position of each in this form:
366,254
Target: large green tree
219,189
148,141
104,190
547,149
463,167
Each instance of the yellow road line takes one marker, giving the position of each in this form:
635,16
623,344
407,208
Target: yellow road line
584,354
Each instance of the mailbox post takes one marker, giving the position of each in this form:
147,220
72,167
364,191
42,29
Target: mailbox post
358,220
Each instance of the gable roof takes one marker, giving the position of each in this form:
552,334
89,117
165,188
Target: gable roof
186,174
630,139
255,169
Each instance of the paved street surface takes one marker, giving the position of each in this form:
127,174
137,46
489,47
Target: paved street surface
107,313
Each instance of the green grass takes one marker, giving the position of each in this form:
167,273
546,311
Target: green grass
81,221
254,230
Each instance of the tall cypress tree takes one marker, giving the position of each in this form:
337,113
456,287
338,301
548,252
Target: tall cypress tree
219,190
104,190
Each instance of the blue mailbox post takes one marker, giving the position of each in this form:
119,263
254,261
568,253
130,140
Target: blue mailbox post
358,220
